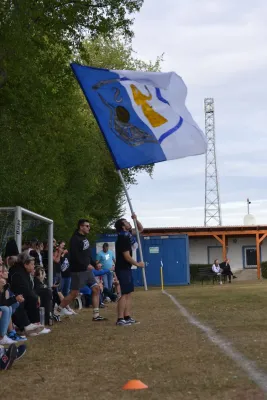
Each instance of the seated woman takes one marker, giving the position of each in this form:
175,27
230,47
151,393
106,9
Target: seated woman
21,282
5,313
217,270
8,299
226,269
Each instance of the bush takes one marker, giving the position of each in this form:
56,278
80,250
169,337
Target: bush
264,269
194,268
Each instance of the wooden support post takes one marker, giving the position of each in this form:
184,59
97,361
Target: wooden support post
263,237
219,239
224,250
258,250
223,242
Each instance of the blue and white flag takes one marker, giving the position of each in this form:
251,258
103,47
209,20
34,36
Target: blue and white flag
142,115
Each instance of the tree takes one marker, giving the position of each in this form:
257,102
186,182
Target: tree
24,23
55,161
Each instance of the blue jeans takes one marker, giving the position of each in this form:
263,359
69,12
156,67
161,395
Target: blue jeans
65,286
5,319
108,280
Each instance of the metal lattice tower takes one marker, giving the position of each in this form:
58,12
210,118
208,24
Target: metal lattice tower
212,198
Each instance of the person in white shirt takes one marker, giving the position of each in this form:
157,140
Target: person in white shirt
217,270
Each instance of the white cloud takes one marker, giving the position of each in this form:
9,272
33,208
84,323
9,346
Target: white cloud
219,48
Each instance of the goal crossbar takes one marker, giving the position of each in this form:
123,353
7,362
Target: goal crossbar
18,222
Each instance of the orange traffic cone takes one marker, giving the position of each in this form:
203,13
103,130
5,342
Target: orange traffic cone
134,385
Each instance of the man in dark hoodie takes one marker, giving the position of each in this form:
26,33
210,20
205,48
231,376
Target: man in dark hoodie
81,269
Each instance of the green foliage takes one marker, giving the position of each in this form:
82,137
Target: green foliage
264,269
54,159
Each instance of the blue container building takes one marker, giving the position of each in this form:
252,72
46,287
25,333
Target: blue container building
170,250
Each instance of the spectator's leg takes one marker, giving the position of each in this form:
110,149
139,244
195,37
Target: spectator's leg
67,300
46,301
6,313
110,294
32,309
105,281
20,317
110,280
95,300
66,286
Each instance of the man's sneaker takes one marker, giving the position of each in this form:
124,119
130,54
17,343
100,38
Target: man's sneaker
122,322
6,340
99,318
21,350
33,328
14,336
44,331
132,321
7,357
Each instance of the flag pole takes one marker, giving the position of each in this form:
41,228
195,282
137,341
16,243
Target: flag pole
135,225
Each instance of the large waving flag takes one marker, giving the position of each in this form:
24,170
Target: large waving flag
142,115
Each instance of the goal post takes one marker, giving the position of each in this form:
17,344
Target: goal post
15,221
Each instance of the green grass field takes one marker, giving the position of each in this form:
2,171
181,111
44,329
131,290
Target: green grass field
83,360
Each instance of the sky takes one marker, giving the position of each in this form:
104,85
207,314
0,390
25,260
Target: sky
219,48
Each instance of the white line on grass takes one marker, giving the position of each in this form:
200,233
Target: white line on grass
256,375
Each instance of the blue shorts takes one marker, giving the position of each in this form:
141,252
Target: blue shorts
125,278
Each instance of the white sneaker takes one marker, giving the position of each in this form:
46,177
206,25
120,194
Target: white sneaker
64,311
221,283
7,340
71,310
43,332
33,328
107,300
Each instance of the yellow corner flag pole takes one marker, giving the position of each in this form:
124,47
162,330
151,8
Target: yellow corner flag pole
161,275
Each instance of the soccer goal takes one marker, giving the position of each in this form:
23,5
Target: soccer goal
14,221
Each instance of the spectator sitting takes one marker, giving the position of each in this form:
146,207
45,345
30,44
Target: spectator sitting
44,254
44,293
11,261
21,282
8,299
117,287
107,259
107,294
65,272
6,312
25,247
36,252
226,269
11,249
217,270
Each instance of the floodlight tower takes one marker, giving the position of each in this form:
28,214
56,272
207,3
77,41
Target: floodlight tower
212,197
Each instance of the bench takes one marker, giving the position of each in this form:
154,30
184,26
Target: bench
208,274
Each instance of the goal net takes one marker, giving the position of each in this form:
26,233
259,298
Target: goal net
22,225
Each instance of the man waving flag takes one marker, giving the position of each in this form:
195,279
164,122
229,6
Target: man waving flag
142,115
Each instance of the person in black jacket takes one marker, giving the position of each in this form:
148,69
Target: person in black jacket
44,293
6,312
21,282
225,266
81,269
